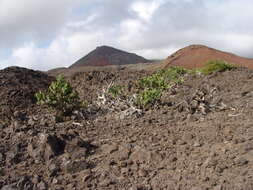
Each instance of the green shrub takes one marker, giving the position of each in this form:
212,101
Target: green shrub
216,66
148,97
152,87
116,90
162,79
173,74
60,96
154,81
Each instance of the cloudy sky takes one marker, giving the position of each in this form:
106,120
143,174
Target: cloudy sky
44,34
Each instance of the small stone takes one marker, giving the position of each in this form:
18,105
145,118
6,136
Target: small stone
9,187
197,144
173,159
55,181
1,126
218,187
76,166
247,94
105,183
51,145
247,147
30,132
52,167
141,156
198,188
35,153
187,137
19,115
43,122
31,122
122,154
58,119
124,170
24,183
180,142
123,164
52,170
1,157
16,114
210,162
142,173
78,153
36,179
192,118
70,186
110,148
1,172
42,186
241,161
133,188
219,169
30,150
13,157
85,175
56,145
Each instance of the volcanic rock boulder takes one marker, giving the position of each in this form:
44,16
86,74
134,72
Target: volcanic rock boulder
18,87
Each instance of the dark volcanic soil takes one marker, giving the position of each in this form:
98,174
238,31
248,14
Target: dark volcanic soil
18,86
202,138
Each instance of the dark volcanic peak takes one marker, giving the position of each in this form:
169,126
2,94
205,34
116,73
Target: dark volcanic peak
106,55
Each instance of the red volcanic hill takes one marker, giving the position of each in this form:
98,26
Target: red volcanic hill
105,55
195,56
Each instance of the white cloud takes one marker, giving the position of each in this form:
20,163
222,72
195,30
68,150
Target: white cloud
79,43
30,56
62,52
145,9
157,53
26,20
46,34
131,32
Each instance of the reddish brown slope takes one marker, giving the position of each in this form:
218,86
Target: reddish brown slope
196,55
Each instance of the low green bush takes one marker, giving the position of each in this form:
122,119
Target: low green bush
148,97
153,81
152,87
115,90
215,66
60,96
173,74
162,79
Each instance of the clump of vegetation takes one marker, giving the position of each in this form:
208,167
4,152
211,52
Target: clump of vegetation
60,96
148,97
151,87
215,66
115,90
162,79
174,74
155,81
